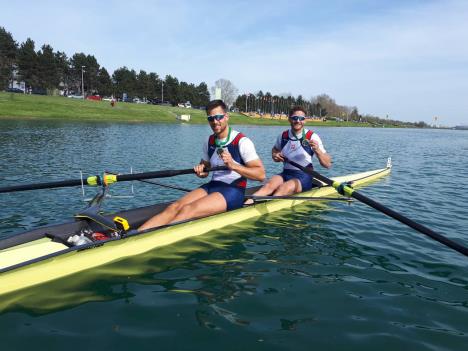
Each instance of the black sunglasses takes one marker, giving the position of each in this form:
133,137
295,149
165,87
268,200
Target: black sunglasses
215,117
297,118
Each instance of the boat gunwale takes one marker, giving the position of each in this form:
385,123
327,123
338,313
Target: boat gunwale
96,244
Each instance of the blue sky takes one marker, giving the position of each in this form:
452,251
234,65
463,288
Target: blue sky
407,59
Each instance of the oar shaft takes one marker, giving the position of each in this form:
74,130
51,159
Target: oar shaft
96,180
162,174
151,175
166,185
48,185
290,197
410,223
389,212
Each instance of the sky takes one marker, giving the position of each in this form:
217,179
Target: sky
407,59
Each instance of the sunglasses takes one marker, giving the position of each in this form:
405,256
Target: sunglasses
215,117
297,118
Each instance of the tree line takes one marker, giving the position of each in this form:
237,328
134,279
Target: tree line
46,71
320,106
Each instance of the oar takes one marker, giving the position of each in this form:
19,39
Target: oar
106,179
346,190
290,197
160,184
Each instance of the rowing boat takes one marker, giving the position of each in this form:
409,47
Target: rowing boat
41,255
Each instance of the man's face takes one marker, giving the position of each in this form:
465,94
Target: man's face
219,119
296,123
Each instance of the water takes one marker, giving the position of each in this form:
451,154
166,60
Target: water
323,276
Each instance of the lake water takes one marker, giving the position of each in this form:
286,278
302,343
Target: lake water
322,276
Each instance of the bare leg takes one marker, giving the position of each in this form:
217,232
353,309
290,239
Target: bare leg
290,187
205,206
171,211
268,189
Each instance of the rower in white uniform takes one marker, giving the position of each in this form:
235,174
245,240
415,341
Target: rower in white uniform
226,190
297,144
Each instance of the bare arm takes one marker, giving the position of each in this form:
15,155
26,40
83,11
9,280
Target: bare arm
324,158
252,170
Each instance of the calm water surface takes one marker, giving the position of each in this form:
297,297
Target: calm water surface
322,276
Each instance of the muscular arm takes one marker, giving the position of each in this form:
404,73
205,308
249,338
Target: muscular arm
324,158
252,170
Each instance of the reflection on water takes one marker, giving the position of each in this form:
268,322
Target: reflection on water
336,275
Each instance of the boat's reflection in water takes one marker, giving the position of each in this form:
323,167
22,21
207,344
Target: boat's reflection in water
228,249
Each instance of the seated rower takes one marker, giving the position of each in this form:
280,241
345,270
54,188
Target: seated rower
226,189
297,144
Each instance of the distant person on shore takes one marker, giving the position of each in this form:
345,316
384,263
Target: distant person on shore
112,102
226,190
297,144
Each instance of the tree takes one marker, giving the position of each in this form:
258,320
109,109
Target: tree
125,81
77,61
354,115
27,63
300,101
90,68
229,92
104,83
203,95
8,48
154,85
63,69
143,86
171,90
46,69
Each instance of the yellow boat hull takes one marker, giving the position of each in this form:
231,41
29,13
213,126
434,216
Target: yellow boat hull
80,260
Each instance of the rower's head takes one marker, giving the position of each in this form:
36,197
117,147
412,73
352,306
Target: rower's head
217,116
297,118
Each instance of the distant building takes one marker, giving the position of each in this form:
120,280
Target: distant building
15,83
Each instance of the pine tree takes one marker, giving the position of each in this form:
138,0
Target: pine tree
27,64
8,48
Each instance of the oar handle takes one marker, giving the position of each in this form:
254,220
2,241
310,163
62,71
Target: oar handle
344,189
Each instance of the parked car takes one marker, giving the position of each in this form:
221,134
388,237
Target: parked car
157,101
184,104
139,101
14,90
39,91
94,97
75,96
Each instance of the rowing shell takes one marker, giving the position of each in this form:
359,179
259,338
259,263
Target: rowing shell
32,258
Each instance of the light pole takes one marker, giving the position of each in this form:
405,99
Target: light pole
82,81
162,92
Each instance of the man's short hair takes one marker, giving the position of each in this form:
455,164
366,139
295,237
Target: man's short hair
215,103
294,109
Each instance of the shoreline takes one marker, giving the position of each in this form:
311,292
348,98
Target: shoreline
15,106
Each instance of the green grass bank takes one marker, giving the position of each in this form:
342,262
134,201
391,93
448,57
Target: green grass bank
20,106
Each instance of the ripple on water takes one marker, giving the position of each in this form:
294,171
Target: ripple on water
329,275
